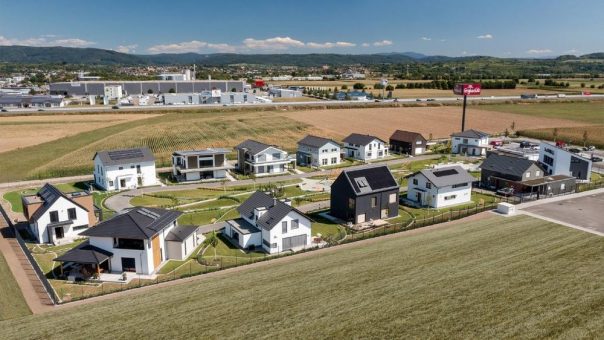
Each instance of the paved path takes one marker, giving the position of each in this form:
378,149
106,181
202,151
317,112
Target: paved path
121,200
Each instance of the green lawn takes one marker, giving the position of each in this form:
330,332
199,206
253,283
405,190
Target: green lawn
225,248
325,227
14,197
477,198
515,277
208,217
12,303
584,112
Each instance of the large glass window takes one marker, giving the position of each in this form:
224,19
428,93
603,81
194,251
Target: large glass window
71,213
54,216
126,243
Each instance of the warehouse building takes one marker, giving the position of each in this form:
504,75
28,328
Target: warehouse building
97,88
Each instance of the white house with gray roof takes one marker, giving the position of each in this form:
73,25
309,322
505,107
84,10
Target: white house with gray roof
470,142
258,158
124,169
439,188
364,147
196,165
318,151
269,224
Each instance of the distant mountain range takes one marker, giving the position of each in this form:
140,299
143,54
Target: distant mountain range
96,56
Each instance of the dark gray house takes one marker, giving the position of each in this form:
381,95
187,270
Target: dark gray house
407,142
523,176
365,194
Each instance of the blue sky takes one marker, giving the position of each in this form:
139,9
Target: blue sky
514,28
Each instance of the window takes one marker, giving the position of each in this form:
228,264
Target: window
450,197
528,174
110,183
548,160
418,142
334,150
54,216
206,163
415,181
132,167
295,224
351,203
80,227
276,155
284,227
465,141
334,160
392,198
126,243
562,186
428,185
324,161
71,213
121,168
369,154
370,146
537,172
373,202
460,185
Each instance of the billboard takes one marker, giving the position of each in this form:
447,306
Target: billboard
467,89
215,93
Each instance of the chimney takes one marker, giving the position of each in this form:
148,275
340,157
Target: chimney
274,201
258,212
287,201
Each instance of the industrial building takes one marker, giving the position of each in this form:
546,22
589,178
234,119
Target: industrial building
207,97
25,101
97,88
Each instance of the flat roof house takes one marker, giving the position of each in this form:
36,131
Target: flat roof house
523,176
470,142
407,142
195,165
258,158
318,151
442,187
56,217
558,161
140,240
365,194
270,224
364,147
124,169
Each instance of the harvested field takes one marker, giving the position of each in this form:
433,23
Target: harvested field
572,135
23,131
440,121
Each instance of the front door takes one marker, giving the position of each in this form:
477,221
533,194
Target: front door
122,183
59,233
128,264
140,181
418,197
384,213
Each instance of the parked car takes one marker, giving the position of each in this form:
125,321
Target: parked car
4,110
430,99
418,100
574,150
115,107
505,192
496,143
560,144
589,148
596,159
525,145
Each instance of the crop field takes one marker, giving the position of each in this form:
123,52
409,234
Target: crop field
586,112
574,135
12,303
494,277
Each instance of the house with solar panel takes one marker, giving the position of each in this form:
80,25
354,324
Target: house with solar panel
269,224
318,151
440,187
124,169
139,240
364,147
363,195
56,217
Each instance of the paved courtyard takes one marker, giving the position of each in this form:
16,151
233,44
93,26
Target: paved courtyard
585,212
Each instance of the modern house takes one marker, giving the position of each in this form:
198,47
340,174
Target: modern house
269,224
364,147
442,187
258,158
124,169
195,165
470,142
522,177
56,217
558,161
139,240
365,194
318,151
407,142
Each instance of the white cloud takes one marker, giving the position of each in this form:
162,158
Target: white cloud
539,51
45,41
443,40
276,43
365,44
485,36
181,47
426,38
572,51
330,44
222,47
383,43
126,48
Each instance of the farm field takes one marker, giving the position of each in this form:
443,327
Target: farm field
12,303
515,277
24,131
587,112
595,135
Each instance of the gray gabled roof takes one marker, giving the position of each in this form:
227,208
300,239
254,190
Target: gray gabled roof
50,194
181,233
446,176
275,209
471,133
406,136
253,146
125,156
85,253
509,165
137,223
359,139
316,141
370,179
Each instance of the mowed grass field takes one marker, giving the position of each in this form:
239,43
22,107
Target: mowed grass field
495,277
12,303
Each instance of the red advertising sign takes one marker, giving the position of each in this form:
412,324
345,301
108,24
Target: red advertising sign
467,89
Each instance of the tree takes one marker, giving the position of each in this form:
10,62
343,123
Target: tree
582,85
389,88
357,86
506,133
212,240
585,137
555,134
513,126
149,91
430,136
172,90
344,87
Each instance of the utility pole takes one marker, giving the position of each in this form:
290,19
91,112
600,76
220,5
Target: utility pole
463,115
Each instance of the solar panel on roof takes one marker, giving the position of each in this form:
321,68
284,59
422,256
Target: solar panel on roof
148,213
125,154
442,173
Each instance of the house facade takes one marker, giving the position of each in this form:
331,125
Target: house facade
124,169
364,147
196,165
470,142
407,142
140,240
318,151
56,217
439,188
363,195
558,161
269,224
522,176
258,158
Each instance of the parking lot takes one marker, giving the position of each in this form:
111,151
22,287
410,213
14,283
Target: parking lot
585,212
